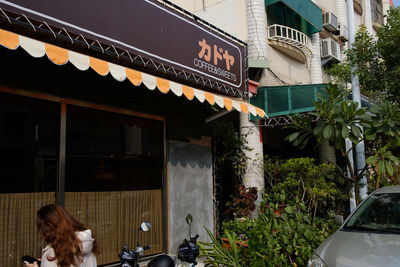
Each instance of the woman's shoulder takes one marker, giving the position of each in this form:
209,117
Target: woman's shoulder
83,235
48,250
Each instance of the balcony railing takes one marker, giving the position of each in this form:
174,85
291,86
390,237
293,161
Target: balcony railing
289,36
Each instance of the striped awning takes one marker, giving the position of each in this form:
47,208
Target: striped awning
61,56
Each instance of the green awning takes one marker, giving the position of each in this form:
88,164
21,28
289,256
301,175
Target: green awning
310,13
285,100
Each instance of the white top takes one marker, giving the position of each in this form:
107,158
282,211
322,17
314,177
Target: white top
89,260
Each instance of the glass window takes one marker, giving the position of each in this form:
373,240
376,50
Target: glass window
29,141
114,170
380,212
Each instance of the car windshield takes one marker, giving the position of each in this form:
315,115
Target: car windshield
379,213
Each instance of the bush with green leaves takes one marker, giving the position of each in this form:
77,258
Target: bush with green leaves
244,203
318,186
341,119
287,239
217,253
240,228
377,62
274,240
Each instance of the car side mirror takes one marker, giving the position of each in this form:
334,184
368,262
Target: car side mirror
338,219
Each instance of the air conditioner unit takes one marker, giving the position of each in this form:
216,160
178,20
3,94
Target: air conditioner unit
330,21
343,33
330,50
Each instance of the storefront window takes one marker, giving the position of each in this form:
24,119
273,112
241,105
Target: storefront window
114,170
29,140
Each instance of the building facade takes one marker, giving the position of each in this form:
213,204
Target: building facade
100,113
290,44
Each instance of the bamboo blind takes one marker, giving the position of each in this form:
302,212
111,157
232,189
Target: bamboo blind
19,235
113,217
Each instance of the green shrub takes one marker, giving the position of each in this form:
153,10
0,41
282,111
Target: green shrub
295,217
216,254
320,187
286,239
240,228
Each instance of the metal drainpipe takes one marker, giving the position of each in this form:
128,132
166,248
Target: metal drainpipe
342,17
359,154
257,48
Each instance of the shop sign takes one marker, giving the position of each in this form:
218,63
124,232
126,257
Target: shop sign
148,28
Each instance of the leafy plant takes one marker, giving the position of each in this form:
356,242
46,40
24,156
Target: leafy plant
319,187
340,119
216,254
240,228
384,125
274,240
231,157
384,163
288,239
244,203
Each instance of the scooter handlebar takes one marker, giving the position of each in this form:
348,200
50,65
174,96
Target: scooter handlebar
147,247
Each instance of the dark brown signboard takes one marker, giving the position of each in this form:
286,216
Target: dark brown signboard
148,28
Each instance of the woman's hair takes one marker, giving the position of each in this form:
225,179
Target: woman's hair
58,229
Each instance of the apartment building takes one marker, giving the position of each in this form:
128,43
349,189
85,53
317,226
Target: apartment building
290,46
294,43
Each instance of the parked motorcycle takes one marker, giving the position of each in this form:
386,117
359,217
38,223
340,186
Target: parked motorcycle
189,249
130,258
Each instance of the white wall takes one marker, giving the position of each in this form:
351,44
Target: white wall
326,5
287,68
228,15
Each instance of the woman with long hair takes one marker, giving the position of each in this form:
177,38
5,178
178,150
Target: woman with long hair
70,242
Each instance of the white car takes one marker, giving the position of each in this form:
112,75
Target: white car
369,237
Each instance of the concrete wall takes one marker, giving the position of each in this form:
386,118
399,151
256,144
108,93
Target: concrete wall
326,5
190,190
287,68
228,15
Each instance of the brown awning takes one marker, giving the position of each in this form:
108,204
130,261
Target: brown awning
61,56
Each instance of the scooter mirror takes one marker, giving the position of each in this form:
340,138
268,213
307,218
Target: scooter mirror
189,219
145,226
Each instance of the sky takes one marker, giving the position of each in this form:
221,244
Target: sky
396,2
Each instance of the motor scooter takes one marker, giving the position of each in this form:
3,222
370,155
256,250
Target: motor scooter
189,249
130,258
